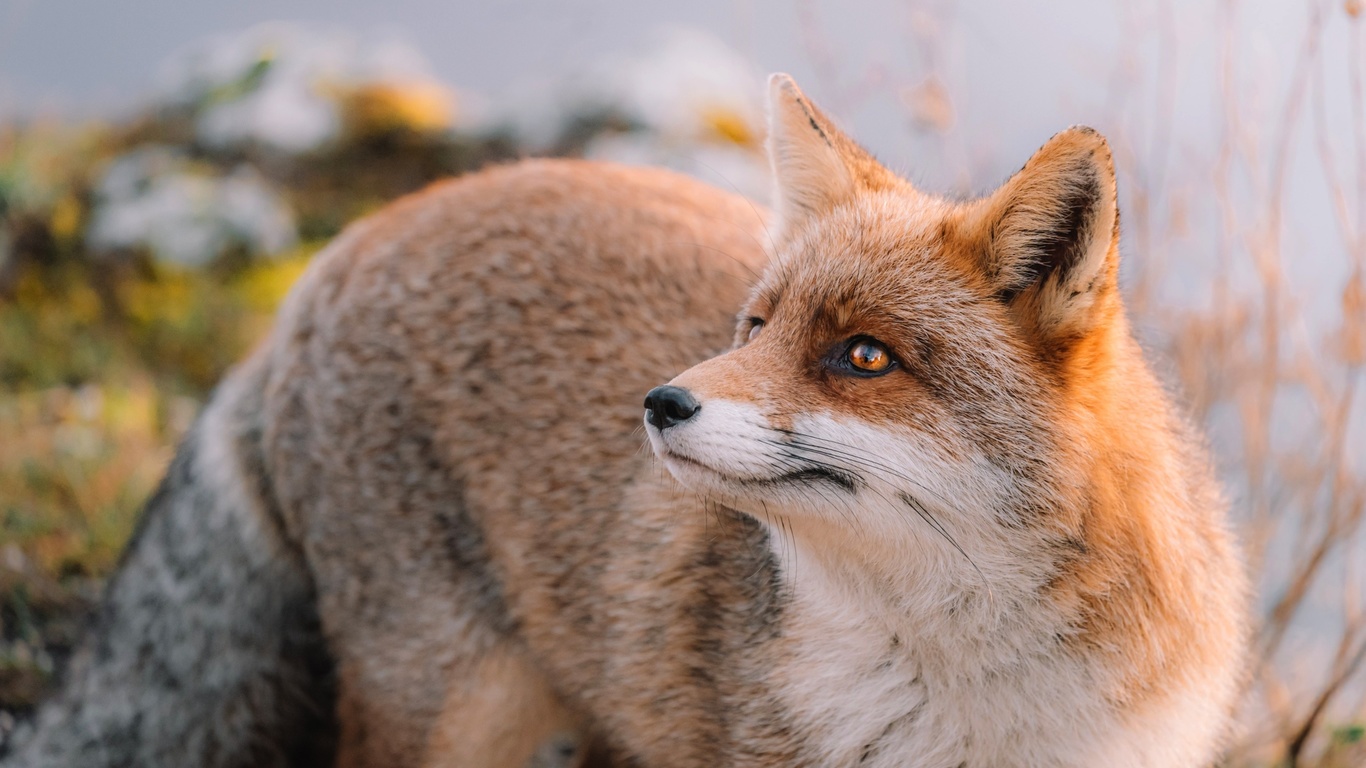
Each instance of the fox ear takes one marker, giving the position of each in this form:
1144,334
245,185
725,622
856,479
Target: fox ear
815,166
1051,234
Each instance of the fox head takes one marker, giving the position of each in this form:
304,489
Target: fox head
908,374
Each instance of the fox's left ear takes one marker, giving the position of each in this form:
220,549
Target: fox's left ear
816,167
1049,238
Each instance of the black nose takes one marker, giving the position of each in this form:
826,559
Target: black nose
669,405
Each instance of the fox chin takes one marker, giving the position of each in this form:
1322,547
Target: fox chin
921,502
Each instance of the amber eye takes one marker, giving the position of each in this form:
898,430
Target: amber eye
869,356
756,325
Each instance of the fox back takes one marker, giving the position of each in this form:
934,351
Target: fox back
921,502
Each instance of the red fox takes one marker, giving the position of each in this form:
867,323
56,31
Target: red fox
927,506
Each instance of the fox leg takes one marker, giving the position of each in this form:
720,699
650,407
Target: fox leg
502,714
206,650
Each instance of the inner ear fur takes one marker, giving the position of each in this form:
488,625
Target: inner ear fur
1048,239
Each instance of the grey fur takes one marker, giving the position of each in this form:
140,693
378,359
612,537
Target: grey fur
206,650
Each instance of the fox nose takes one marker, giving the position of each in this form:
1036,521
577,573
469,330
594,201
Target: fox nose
669,405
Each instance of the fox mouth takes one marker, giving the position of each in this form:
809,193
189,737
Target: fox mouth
810,476
803,476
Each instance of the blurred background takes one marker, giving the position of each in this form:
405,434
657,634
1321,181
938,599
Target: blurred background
168,168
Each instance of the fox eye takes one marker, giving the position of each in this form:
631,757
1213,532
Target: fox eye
868,356
755,326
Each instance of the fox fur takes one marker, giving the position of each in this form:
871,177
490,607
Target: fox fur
421,524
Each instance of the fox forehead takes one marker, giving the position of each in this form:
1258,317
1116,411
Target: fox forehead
881,253
892,269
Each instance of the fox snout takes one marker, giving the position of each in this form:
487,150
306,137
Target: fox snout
668,405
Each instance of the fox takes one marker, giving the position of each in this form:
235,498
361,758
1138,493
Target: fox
904,491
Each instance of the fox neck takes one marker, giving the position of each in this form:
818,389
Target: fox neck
921,585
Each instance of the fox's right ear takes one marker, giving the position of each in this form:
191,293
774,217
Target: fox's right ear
815,166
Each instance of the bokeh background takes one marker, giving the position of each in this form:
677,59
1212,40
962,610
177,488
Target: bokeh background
168,168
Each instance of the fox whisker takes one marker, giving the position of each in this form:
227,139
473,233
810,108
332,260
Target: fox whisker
837,450
872,465
763,223
934,523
